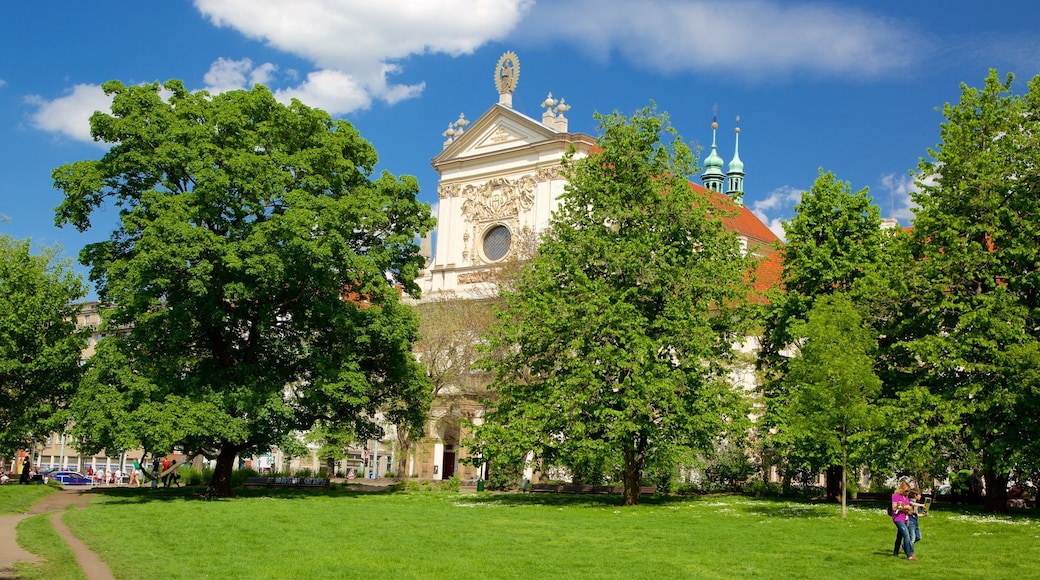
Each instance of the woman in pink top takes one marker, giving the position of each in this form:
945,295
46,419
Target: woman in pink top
900,510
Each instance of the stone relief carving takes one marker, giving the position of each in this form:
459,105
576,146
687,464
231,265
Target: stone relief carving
477,277
448,190
549,173
498,198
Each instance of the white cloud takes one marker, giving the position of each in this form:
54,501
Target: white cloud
227,75
753,38
2,83
777,208
330,90
69,115
361,38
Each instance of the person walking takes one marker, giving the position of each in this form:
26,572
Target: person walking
900,510
916,510
26,467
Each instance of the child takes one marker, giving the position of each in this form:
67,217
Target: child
917,509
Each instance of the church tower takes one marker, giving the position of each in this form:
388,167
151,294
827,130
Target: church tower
712,178
735,172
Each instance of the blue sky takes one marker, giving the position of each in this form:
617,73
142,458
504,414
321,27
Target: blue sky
853,87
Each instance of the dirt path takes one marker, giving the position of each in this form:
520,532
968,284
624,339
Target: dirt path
11,552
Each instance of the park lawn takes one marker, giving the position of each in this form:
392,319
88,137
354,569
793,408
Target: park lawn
59,563
285,534
16,499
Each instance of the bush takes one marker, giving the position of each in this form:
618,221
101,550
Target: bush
196,477
759,488
239,476
728,468
425,485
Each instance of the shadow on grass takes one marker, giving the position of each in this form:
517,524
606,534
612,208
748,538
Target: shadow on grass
141,495
773,507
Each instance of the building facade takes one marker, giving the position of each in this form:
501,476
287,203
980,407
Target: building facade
501,179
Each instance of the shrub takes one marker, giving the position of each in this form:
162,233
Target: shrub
196,477
728,468
239,476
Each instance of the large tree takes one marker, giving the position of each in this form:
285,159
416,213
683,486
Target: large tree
976,274
831,383
616,342
833,242
253,278
39,345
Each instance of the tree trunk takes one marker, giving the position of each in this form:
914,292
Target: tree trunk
996,491
220,485
404,448
844,481
634,459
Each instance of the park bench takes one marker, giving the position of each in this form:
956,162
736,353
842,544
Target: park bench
293,482
586,489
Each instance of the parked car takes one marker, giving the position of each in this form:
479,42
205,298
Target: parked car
70,478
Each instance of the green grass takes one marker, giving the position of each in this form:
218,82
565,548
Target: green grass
280,534
16,499
37,535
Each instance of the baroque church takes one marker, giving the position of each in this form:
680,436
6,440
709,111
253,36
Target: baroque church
500,181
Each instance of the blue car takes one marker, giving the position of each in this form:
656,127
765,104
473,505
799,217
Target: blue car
70,478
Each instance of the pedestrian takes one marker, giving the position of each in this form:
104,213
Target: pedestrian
917,510
900,510
26,466
134,479
155,472
165,476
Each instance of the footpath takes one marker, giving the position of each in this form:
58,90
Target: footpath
57,502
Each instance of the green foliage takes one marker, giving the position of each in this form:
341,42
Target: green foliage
832,384
728,468
253,276
239,476
503,475
834,245
615,342
39,346
451,485
974,278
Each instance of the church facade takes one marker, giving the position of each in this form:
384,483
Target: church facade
500,181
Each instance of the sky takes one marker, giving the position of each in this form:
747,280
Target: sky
855,88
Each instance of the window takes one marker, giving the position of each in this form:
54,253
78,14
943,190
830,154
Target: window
496,243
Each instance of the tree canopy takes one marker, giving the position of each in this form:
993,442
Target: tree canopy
975,279
253,279
831,383
39,345
834,244
615,344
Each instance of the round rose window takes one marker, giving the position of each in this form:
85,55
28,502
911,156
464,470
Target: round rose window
496,243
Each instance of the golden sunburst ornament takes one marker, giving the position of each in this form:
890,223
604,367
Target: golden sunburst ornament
506,73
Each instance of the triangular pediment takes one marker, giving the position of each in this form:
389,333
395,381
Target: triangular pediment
499,129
